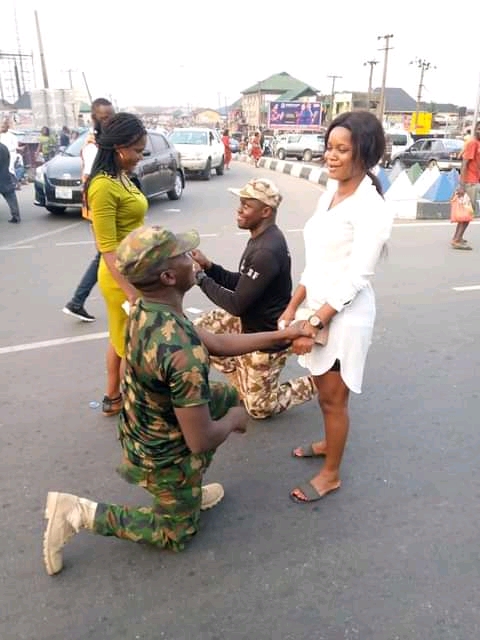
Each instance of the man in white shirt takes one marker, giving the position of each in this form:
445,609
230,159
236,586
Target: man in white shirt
102,112
10,140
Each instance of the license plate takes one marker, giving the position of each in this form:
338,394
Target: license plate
63,193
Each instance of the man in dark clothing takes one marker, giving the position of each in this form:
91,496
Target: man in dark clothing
252,300
7,184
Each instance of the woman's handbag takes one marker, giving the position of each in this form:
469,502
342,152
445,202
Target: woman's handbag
461,209
303,313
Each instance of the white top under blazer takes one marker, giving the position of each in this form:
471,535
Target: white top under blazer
342,247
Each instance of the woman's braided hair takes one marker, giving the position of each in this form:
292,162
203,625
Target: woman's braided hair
123,130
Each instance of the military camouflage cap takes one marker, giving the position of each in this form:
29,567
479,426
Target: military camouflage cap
143,249
260,189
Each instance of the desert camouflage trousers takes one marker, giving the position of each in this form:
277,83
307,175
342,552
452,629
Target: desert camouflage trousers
256,375
174,517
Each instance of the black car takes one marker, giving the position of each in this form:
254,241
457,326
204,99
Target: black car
445,153
58,183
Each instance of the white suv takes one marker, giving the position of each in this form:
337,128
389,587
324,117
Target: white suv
201,150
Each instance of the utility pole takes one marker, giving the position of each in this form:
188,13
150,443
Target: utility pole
42,55
381,106
477,109
86,86
259,99
423,65
372,63
332,95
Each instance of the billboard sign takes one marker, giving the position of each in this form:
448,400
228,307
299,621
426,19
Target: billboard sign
295,115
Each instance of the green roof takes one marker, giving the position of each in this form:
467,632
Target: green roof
279,83
293,94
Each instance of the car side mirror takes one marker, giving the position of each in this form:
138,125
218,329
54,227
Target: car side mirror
146,153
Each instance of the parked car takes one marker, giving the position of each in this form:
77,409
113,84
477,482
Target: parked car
201,150
301,146
58,183
234,145
399,139
445,153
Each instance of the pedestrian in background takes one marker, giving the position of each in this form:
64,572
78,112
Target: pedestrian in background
65,136
227,149
343,242
256,148
7,184
469,184
117,207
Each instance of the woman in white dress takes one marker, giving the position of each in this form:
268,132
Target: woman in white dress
343,242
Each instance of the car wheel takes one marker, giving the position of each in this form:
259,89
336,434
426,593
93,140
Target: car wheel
176,192
207,172
432,163
220,170
281,154
307,155
398,164
56,210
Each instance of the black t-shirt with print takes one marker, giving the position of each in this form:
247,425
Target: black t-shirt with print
259,292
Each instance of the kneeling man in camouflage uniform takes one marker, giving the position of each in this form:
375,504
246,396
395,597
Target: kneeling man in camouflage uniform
252,299
173,419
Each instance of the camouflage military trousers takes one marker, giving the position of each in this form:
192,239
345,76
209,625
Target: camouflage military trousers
174,517
256,375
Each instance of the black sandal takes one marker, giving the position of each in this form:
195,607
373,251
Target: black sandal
111,406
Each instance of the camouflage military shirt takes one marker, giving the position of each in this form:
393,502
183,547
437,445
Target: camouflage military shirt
167,366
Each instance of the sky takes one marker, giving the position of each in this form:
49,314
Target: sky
204,54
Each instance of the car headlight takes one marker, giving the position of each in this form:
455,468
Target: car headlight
40,175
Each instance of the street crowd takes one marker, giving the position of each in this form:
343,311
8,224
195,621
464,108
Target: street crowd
171,417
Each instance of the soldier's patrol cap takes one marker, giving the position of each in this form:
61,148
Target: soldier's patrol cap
260,189
143,249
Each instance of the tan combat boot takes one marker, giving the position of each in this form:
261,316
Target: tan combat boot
212,494
66,515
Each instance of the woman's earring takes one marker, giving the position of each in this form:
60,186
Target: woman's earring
120,155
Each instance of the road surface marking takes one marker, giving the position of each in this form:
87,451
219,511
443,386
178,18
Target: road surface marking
472,287
53,343
42,235
208,235
26,246
72,244
193,310
417,223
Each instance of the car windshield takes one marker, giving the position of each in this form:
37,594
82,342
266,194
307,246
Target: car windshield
75,148
398,138
189,137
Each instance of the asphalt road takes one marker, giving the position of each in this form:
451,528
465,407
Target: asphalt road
394,555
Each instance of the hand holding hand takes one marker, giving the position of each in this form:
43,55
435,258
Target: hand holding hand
299,329
201,259
287,317
303,345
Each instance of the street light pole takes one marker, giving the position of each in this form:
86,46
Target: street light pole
372,63
381,106
332,95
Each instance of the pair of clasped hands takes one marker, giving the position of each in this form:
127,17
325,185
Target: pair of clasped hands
300,334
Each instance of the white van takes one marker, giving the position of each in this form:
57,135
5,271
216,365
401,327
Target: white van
400,140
